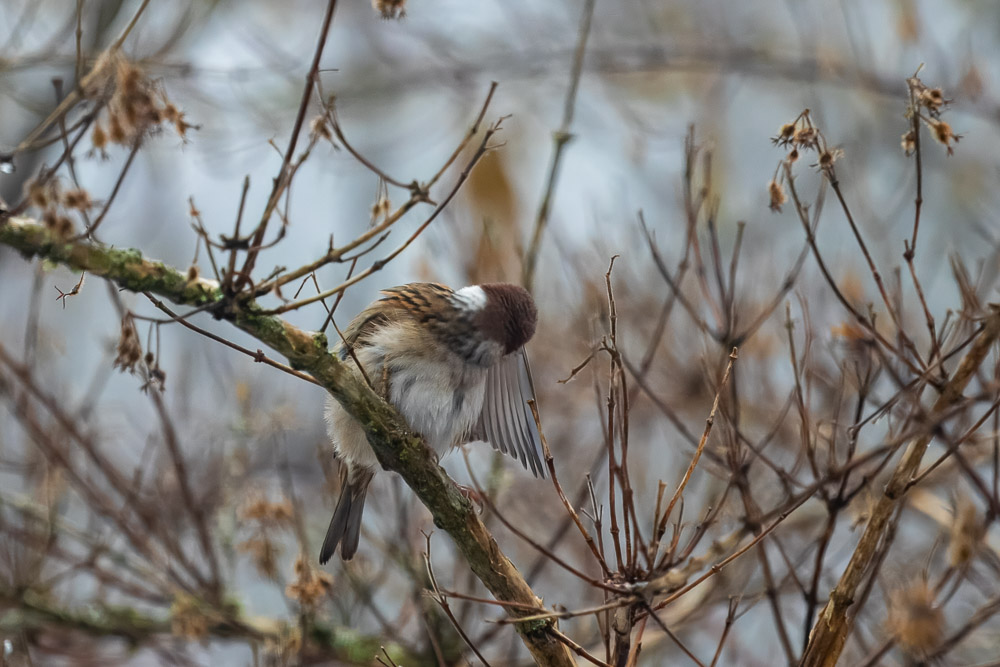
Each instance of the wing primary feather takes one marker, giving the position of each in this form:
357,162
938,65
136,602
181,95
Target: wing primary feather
490,410
508,421
534,437
518,405
509,414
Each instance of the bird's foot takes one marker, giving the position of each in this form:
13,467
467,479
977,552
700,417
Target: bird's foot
472,496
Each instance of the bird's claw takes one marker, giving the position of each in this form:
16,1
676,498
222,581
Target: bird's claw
472,496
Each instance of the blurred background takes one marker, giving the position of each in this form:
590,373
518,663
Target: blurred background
407,90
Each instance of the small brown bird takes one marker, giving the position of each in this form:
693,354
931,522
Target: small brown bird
453,363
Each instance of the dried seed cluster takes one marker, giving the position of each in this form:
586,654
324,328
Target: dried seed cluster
57,205
915,621
319,128
137,107
926,106
382,206
273,513
776,192
390,9
310,585
266,517
966,535
129,349
799,136
128,354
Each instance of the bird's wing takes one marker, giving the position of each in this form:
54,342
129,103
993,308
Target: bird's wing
426,302
506,421
413,300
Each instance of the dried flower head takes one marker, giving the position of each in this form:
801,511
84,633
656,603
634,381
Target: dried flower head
181,126
943,134
785,134
265,516
909,142
129,350
319,128
932,98
800,134
63,227
77,198
170,113
37,195
380,209
828,157
129,77
310,585
99,139
926,106
50,219
806,137
390,9
966,534
116,131
137,107
777,194
915,622
261,510
42,195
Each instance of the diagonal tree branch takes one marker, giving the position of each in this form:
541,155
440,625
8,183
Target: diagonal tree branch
826,641
396,447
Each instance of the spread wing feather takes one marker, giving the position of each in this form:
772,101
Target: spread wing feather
506,421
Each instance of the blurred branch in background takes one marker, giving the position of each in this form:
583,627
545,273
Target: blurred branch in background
560,138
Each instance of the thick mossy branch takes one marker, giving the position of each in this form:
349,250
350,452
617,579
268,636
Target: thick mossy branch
126,267
395,446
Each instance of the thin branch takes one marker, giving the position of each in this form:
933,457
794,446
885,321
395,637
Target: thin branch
833,626
661,526
282,179
559,140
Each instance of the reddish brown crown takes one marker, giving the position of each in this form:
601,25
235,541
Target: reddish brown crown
509,316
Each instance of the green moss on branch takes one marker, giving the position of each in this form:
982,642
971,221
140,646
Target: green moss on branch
395,446
125,266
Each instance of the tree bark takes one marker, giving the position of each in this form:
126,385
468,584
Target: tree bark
833,625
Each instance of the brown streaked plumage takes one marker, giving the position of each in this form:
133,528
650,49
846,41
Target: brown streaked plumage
453,363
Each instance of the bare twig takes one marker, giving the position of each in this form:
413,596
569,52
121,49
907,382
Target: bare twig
559,140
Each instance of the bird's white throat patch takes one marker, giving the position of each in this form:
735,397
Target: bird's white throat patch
471,298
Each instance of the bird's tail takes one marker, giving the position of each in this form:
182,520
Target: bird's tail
345,526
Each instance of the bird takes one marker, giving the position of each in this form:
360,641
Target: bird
453,363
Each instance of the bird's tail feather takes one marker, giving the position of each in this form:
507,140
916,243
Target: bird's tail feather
345,526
